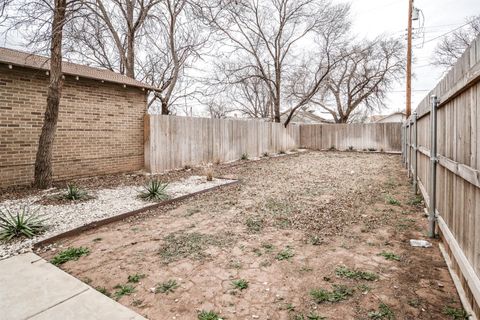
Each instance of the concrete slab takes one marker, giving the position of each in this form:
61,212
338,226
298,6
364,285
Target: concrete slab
32,288
89,305
30,285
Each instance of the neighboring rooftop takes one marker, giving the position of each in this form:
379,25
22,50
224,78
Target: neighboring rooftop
393,117
304,116
29,60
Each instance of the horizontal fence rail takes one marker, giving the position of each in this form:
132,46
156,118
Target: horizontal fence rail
173,142
370,136
441,150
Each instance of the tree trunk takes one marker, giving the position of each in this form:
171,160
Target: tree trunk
130,65
165,107
130,59
43,160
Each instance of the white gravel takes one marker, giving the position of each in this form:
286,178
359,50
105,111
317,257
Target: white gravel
107,203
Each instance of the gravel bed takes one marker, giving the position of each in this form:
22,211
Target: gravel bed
106,203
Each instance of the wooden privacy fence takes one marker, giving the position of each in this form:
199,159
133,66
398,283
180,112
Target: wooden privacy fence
173,142
441,149
373,136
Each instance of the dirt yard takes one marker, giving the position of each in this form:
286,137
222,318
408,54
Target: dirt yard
318,235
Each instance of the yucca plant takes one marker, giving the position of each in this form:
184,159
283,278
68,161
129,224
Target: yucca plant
74,193
154,190
23,222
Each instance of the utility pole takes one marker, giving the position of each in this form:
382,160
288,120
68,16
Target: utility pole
408,109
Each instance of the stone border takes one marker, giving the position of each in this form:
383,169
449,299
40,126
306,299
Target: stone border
122,216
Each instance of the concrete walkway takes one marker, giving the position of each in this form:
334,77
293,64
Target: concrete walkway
32,288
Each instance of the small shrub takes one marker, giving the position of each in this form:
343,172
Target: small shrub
350,148
265,154
154,190
339,293
389,255
372,149
23,222
285,254
187,167
166,287
74,193
244,156
216,161
456,313
208,315
135,278
69,254
123,290
384,312
332,148
345,272
209,174
281,152
240,284
391,200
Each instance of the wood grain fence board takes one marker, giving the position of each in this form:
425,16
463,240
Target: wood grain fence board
378,136
174,142
458,169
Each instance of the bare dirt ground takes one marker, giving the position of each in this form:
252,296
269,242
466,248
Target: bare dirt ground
295,225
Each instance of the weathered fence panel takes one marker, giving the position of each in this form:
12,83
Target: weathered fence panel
378,136
173,142
457,166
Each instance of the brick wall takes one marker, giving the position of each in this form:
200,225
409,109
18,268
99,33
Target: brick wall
100,126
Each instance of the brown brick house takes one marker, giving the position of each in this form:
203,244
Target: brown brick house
100,126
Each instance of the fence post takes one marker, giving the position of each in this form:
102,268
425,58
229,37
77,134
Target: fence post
433,168
415,148
405,144
409,145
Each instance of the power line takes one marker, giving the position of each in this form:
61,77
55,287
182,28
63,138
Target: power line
442,35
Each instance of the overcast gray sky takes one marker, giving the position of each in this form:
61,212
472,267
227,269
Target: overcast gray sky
374,17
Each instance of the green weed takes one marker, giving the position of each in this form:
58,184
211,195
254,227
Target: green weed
208,315
135,278
69,254
123,290
240,284
389,255
383,312
285,254
339,293
345,272
166,287
392,201
456,313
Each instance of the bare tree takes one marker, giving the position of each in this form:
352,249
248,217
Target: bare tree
218,109
262,35
361,78
171,48
43,160
255,99
108,32
452,46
